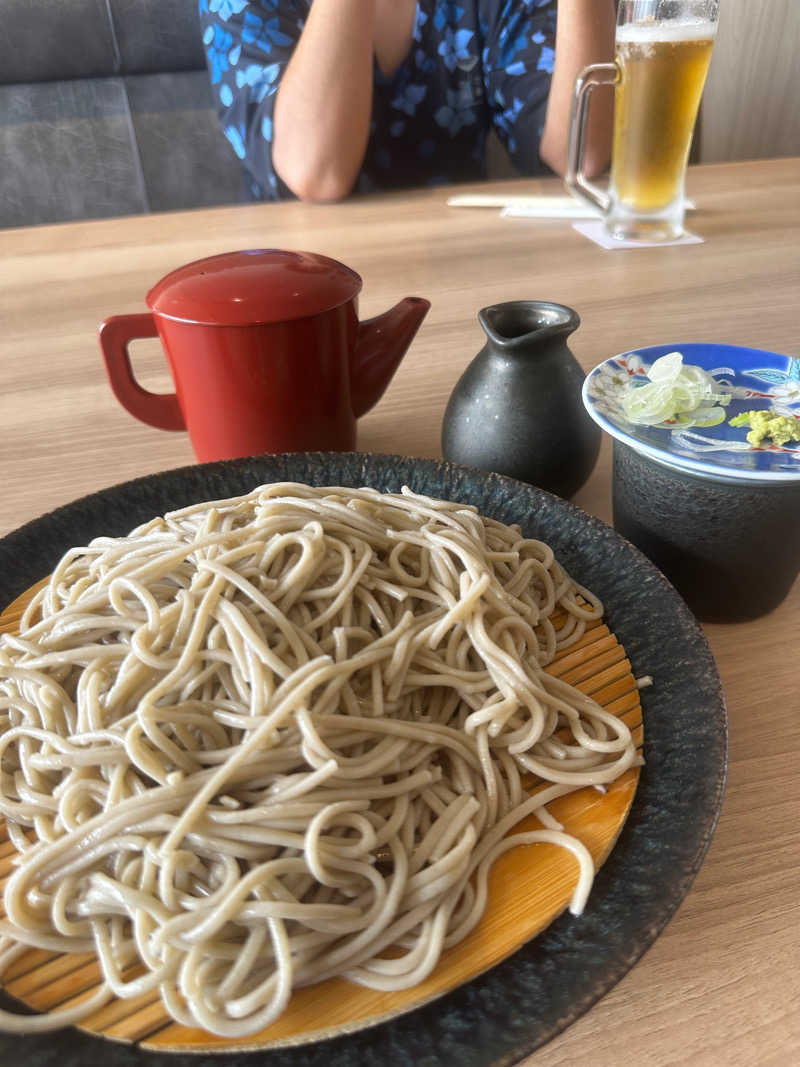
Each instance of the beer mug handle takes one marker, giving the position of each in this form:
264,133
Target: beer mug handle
576,181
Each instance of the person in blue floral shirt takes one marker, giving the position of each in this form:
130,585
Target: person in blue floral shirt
319,99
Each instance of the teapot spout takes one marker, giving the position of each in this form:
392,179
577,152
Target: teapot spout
380,345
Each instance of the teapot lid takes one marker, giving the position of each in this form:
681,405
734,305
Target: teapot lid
260,285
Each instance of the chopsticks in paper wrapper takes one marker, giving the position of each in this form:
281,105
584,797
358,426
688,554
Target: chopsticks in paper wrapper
534,207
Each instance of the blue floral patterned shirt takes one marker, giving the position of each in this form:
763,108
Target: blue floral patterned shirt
473,64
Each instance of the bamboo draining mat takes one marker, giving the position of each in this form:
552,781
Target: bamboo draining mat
528,888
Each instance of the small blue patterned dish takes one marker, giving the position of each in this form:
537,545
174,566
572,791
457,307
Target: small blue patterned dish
758,379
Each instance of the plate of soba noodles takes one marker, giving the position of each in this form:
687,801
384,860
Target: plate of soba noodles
337,759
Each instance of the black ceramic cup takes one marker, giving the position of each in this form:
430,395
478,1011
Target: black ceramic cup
730,548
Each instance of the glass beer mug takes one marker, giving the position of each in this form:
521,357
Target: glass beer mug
663,48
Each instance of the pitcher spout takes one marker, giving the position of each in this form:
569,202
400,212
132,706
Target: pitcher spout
520,323
380,345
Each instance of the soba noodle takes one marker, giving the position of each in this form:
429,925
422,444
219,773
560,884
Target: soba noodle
261,742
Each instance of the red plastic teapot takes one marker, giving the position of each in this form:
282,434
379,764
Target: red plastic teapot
266,352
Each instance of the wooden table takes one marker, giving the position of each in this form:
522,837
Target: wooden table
722,983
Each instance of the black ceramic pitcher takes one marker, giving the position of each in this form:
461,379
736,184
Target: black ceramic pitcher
517,408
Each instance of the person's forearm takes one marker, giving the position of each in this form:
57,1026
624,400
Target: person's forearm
584,34
323,106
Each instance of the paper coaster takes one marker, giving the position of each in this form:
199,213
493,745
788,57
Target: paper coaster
596,232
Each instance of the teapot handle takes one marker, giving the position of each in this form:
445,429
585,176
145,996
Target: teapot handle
156,409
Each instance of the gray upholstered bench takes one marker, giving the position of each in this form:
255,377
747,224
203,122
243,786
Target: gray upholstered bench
105,109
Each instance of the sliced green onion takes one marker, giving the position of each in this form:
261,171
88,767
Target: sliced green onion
676,392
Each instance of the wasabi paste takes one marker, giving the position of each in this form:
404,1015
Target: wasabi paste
769,424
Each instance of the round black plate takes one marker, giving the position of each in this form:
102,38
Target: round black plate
503,1015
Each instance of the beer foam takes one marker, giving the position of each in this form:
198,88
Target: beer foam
656,32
